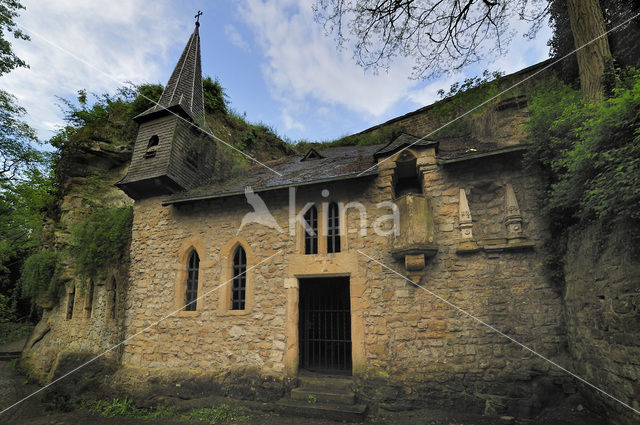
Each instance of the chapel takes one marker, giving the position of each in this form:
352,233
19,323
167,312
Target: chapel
360,275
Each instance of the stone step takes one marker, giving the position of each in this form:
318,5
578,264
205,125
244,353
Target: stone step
328,384
336,397
335,412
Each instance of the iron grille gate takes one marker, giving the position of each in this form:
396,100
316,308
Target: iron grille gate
325,325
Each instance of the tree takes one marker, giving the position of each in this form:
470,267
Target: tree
441,35
8,12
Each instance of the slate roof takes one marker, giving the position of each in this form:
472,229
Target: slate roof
339,163
184,89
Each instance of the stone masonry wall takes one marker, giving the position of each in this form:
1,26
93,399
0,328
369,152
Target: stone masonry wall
412,349
602,298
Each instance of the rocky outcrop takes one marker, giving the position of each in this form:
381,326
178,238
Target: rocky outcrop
602,299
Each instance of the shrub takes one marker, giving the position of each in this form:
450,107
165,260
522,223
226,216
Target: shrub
101,240
590,153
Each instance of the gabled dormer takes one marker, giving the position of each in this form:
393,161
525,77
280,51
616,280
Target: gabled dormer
171,154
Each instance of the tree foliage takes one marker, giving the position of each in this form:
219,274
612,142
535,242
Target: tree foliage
437,35
8,12
17,153
590,152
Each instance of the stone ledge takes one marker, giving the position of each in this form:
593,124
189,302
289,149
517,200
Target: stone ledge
428,249
495,246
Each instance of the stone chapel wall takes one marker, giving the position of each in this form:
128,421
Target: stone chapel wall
410,349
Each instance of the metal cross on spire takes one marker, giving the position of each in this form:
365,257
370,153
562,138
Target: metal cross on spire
198,18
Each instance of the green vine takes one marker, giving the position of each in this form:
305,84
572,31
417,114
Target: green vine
101,241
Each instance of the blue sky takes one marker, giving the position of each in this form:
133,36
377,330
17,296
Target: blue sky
273,60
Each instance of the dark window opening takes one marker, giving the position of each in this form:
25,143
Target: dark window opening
325,325
152,146
238,290
406,176
192,160
311,231
88,306
113,298
192,281
333,228
70,300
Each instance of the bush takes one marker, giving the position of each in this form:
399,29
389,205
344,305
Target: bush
101,240
40,280
590,152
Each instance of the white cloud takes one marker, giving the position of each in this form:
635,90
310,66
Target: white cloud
302,65
236,38
118,41
302,62
290,123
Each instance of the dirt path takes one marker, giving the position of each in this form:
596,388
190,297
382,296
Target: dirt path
13,388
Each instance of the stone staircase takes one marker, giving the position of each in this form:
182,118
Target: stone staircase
324,396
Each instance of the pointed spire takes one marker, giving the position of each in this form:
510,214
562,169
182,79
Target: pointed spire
512,217
464,216
184,88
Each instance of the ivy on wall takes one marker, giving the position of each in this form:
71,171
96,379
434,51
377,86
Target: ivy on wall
40,279
101,241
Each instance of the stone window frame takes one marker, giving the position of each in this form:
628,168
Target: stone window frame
322,226
182,266
226,278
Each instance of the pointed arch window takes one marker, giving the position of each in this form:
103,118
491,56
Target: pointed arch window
88,302
70,301
192,281
112,299
333,228
311,231
238,290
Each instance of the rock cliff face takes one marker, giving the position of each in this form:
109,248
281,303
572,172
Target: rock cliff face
602,299
79,322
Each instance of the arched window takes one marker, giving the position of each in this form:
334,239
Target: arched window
88,302
238,290
152,146
333,228
311,231
113,298
406,179
70,300
192,281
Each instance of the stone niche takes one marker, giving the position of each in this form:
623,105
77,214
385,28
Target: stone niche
414,243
